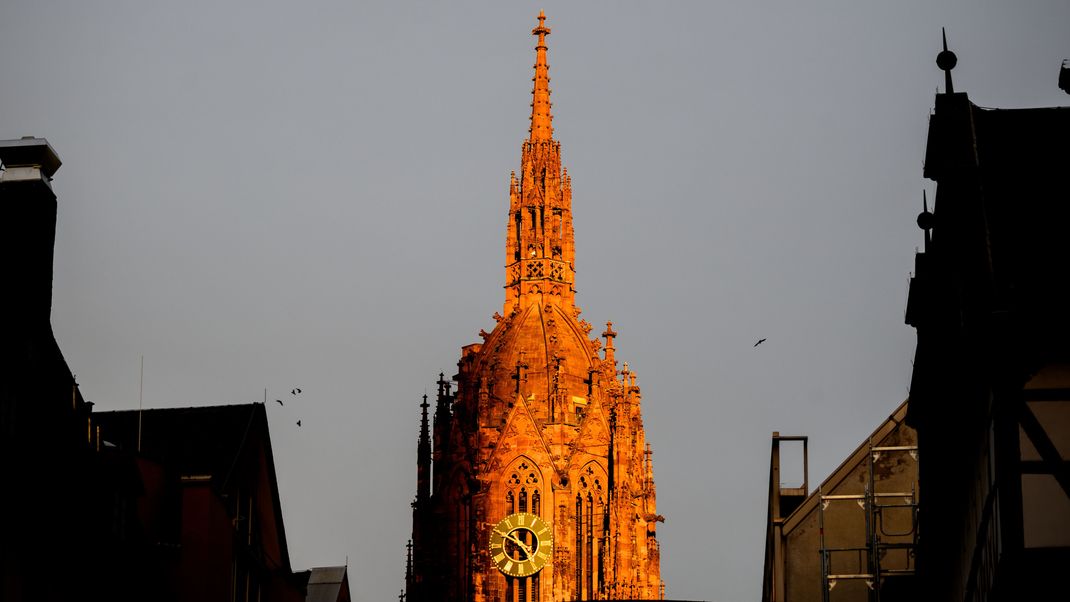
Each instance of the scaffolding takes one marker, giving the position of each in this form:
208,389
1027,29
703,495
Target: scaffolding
886,553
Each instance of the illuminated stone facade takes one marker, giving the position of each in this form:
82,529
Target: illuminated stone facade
542,421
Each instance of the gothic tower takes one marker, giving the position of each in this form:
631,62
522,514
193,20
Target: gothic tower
535,481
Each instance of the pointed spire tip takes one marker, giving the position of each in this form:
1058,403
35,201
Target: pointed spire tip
541,120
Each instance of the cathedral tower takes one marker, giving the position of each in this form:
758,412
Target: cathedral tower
535,481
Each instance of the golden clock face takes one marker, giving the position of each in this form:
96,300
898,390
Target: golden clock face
520,544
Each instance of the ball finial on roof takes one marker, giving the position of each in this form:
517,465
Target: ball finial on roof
946,61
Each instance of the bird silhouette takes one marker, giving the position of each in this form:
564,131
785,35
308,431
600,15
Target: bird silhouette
760,341
280,402
295,391
298,423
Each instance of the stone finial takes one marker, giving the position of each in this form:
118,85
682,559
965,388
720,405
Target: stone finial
609,334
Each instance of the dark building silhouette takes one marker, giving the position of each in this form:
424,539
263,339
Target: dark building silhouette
990,391
51,473
208,508
162,505
985,435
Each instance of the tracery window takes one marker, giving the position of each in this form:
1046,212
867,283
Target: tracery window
523,482
592,524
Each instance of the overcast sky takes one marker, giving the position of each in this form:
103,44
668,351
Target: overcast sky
280,194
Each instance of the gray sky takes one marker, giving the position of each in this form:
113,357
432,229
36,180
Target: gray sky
281,194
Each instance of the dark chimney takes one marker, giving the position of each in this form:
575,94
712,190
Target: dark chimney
28,235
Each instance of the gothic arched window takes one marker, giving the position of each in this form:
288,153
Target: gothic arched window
523,481
519,228
522,484
591,530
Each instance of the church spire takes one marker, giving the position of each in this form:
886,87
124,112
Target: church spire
542,127
540,261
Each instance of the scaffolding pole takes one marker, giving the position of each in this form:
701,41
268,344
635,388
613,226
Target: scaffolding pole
871,556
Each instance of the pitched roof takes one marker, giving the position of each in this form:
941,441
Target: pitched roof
201,440
843,471
325,584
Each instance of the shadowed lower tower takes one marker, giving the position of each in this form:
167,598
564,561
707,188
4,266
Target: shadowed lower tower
535,482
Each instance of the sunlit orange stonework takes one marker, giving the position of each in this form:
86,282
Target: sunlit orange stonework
542,421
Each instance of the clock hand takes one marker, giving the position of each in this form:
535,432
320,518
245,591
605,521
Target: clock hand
521,544
518,542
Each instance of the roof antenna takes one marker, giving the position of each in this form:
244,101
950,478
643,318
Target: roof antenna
140,394
946,61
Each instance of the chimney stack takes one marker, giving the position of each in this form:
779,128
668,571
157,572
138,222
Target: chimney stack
28,210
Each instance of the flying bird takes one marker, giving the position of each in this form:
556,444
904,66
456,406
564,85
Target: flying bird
295,391
280,401
298,423
760,341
